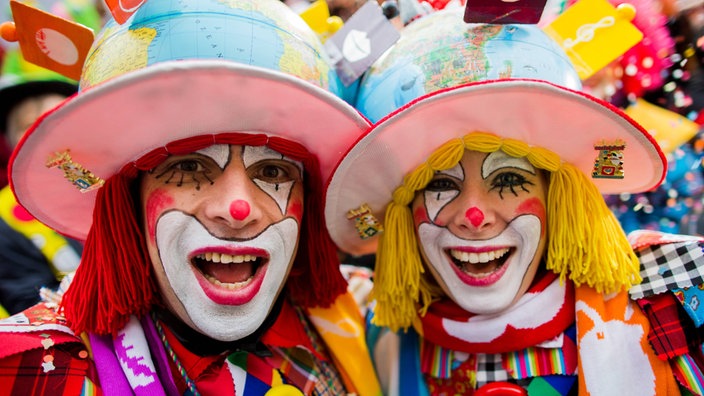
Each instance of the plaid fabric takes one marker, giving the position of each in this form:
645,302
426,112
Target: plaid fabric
40,356
303,367
61,370
669,266
490,369
666,336
461,382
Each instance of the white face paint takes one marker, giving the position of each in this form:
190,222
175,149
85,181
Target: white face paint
436,200
497,291
220,153
221,314
483,236
279,191
498,160
224,225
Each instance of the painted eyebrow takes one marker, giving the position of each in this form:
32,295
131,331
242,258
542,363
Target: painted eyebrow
498,160
253,154
456,171
220,153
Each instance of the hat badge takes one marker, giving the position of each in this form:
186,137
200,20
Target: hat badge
80,177
364,221
609,162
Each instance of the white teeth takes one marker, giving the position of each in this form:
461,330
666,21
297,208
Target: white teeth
226,258
232,286
474,258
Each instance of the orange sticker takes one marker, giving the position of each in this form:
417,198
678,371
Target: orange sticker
51,42
122,10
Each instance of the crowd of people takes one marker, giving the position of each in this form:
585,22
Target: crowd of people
211,209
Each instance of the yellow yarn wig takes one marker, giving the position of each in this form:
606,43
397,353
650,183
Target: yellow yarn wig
586,243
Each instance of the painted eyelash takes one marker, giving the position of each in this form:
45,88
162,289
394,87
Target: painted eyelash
195,178
501,185
512,188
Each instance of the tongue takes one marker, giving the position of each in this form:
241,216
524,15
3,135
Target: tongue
228,273
479,268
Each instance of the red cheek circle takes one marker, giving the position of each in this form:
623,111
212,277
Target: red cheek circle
420,215
295,210
534,206
157,201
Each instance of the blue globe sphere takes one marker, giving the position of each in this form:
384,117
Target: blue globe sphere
440,51
163,30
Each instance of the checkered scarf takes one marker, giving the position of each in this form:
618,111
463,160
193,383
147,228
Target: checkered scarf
667,262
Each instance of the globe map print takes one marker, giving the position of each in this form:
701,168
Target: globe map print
460,53
296,52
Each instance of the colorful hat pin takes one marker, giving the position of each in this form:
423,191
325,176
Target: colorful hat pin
80,177
364,221
609,161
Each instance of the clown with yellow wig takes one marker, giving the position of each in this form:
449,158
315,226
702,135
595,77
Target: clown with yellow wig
499,268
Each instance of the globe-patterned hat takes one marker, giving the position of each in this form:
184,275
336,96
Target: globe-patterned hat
172,72
444,79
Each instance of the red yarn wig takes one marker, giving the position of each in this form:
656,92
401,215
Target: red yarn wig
115,278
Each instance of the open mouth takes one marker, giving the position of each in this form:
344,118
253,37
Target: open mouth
228,270
479,264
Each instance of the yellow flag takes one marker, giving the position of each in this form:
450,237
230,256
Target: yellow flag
593,33
317,16
668,128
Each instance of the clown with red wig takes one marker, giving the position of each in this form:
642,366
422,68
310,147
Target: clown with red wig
192,163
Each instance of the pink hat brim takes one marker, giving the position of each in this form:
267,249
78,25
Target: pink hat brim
115,123
541,114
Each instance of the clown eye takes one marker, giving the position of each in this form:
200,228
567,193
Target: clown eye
272,172
188,166
275,171
510,180
441,184
184,171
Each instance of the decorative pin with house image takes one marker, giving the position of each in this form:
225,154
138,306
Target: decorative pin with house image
609,161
